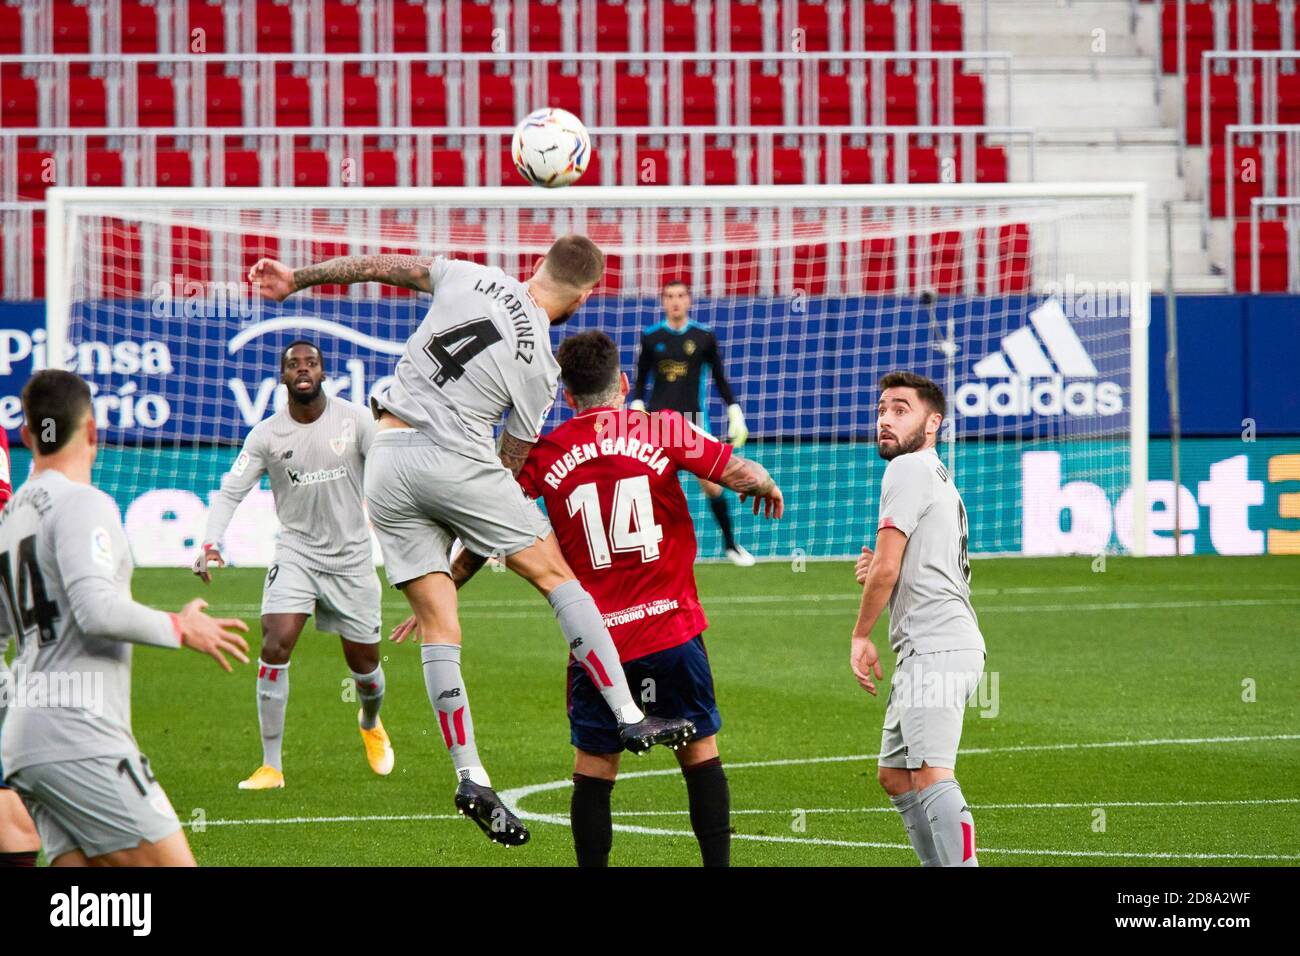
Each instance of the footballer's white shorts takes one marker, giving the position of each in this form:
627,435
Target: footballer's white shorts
96,805
344,604
422,497
927,701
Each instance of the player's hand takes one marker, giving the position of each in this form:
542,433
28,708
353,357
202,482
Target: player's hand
208,554
737,432
864,565
212,635
405,630
772,503
865,662
274,280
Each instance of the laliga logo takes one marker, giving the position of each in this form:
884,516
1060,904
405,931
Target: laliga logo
1034,380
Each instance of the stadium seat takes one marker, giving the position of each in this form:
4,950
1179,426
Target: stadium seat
496,97
631,100
37,171
476,26
104,168
544,26
311,167
410,27
17,102
563,89
120,273
242,168
766,99
652,166
699,100
139,27
448,167
173,167
719,166
274,27
87,102
833,100
428,98
945,27
1011,273
855,166
342,28
679,26
900,99
814,21
1198,30
787,166
968,99
880,31
156,101
71,31
990,164
612,22
292,101
360,100
1272,256
746,18
1245,187
207,27
11,30
225,101
1223,106
379,168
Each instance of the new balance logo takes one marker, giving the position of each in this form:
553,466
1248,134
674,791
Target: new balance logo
1034,369
287,455
454,692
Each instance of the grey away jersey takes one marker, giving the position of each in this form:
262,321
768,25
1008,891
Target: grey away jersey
930,608
316,478
65,591
483,348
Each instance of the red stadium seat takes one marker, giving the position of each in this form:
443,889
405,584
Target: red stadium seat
71,33
292,101
833,102
1272,256
1223,106
410,27
225,101
719,166
968,99
990,164
746,25
360,100
563,90
428,99
242,168
652,166
274,27
156,101
139,27
87,103
631,100
11,30
17,102
120,273
207,27
679,26
476,26
173,167
922,164
104,167
544,26
1288,98
37,172
448,167
699,100
814,21
855,166
1198,30
311,167
496,97
379,168
766,99
945,27
342,28
880,31
900,99
612,21
787,166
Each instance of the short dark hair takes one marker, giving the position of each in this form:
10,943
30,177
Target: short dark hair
926,389
284,352
588,363
54,404
575,261
672,282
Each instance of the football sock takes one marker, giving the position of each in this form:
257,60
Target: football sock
951,823
589,816
370,692
723,514
917,826
24,859
447,695
593,648
710,803
272,699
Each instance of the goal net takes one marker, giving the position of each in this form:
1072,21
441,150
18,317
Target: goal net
1028,304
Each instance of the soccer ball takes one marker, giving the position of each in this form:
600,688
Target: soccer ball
551,148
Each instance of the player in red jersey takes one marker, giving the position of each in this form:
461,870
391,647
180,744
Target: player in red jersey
609,478
19,843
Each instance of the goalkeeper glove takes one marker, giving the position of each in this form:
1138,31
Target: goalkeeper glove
637,406
737,433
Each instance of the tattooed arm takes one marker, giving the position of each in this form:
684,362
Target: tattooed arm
514,452
750,479
277,282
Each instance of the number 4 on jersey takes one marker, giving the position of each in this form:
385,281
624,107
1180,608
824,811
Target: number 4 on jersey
452,349
631,527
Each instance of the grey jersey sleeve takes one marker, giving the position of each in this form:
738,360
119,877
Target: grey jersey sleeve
532,403
366,431
244,475
88,543
905,493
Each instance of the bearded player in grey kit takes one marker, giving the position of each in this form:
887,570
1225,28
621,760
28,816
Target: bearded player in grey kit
314,450
920,566
65,592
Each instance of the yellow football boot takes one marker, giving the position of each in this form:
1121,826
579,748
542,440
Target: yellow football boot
264,777
379,750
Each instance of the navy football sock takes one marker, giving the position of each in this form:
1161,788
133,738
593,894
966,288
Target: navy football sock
591,820
710,802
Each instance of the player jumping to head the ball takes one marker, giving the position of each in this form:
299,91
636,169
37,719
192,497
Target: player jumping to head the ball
434,473
610,480
314,450
675,359
920,567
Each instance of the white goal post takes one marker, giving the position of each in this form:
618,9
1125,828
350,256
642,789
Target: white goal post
1029,303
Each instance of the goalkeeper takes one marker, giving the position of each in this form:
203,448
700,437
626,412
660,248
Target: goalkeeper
675,356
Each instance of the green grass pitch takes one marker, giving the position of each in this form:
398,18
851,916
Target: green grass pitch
1146,714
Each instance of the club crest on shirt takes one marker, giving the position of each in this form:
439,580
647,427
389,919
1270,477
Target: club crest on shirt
339,445
101,547
689,347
